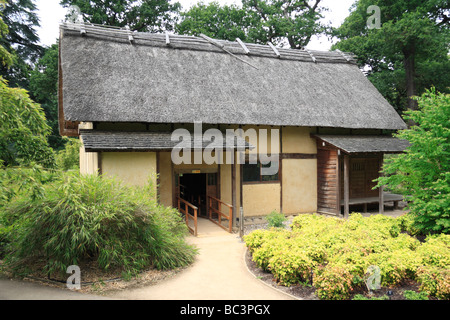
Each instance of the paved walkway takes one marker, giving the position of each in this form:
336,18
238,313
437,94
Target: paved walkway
219,273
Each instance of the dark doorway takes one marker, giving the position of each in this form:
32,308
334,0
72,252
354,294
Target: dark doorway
195,187
193,190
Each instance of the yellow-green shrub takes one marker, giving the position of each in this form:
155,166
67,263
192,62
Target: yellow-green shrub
291,266
333,282
435,281
339,252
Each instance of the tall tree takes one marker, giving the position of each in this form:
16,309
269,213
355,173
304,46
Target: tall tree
422,172
23,127
22,20
216,21
283,22
43,90
6,58
403,54
139,15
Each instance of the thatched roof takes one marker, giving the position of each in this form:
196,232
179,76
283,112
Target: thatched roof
110,75
365,144
96,141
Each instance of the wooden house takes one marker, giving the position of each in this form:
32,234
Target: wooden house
123,93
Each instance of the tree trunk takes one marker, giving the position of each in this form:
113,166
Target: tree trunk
409,63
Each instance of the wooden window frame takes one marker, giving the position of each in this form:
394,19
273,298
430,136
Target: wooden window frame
260,175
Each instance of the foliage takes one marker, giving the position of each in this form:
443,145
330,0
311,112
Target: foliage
334,255
219,22
281,22
6,58
43,90
276,219
407,54
24,131
17,182
69,157
413,295
422,173
22,41
362,297
80,218
139,15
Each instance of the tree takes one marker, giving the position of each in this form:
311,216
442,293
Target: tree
138,15
219,22
401,56
43,89
282,22
423,172
6,58
22,40
23,128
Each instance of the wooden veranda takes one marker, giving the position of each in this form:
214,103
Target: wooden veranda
346,175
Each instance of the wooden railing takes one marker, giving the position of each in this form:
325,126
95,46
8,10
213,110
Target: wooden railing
214,205
185,211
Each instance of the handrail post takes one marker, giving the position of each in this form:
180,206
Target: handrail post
230,215
195,222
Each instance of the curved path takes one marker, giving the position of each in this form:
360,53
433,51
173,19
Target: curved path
219,273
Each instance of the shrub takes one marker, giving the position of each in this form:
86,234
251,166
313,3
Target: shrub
435,281
362,297
339,253
422,172
69,157
276,219
413,295
291,266
333,282
82,218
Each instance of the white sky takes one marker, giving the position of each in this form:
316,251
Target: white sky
51,14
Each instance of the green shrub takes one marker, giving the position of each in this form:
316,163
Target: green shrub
69,157
435,281
82,218
339,253
291,266
413,295
362,297
276,219
333,282
422,172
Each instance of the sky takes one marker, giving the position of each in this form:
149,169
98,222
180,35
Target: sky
51,14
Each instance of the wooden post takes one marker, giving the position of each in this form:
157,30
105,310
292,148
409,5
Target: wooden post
346,187
381,200
195,222
241,222
381,191
233,189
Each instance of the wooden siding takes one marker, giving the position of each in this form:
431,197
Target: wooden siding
363,170
328,180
